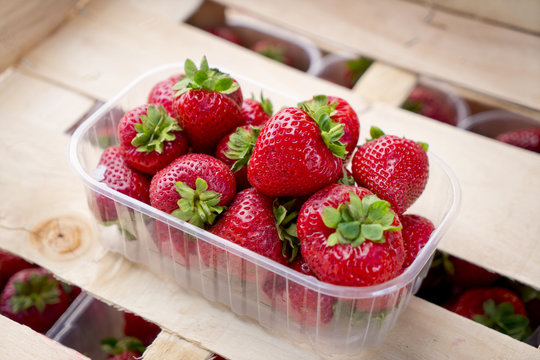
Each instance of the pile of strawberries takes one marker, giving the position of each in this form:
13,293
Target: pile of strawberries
276,184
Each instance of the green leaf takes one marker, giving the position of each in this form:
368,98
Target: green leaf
331,217
372,231
197,206
333,239
375,133
240,146
424,145
155,128
190,68
223,84
349,230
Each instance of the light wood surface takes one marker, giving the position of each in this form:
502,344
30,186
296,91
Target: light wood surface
489,59
39,189
170,346
22,343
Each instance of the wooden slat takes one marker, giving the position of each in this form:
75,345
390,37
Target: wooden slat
170,346
22,343
489,59
23,24
521,14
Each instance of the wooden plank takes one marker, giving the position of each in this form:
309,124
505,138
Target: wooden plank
385,83
22,343
520,14
23,24
489,59
170,346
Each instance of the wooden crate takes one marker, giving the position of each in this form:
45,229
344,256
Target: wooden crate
43,213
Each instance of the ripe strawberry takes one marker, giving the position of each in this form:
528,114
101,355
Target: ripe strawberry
205,109
235,151
432,104
273,50
11,264
195,188
226,33
346,115
126,348
298,151
256,112
395,169
498,308
162,93
33,297
137,327
350,237
416,232
528,138
113,171
302,305
255,222
150,139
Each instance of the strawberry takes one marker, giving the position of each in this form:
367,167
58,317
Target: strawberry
137,327
113,171
226,33
394,168
345,114
303,306
273,50
33,297
355,69
298,151
206,107
235,151
150,139
258,223
464,274
195,188
162,93
528,138
256,112
126,348
416,232
496,307
350,237
11,264
432,104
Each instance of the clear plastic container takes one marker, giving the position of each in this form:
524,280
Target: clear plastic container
333,67
336,321
495,122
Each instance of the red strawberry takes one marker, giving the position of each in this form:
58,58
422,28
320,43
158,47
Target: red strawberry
416,232
33,297
150,139
432,104
464,274
394,168
256,112
273,50
302,305
350,237
162,93
11,264
194,188
498,308
298,151
126,348
113,171
257,223
528,139
235,150
346,115
136,326
355,69
205,109
226,33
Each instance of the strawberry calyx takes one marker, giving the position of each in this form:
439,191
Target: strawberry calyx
286,227
155,128
321,112
197,206
38,291
359,220
114,346
412,105
376,133
502,318
265,103
346,179
204,78
240,146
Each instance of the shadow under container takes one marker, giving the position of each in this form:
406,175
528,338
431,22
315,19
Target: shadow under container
335,321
